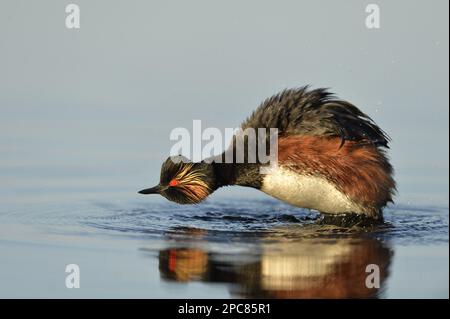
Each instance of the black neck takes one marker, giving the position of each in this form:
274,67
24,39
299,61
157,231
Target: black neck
245,174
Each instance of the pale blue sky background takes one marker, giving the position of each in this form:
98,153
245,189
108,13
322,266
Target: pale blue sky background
89,111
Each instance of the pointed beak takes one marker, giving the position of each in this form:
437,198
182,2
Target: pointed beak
153,190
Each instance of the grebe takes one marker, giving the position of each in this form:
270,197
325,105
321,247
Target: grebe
331,158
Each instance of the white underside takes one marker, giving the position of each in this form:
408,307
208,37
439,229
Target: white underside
308,192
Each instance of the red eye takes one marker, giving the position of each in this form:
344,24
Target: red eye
173,182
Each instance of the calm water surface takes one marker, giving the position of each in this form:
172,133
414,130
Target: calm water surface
219,249
85,122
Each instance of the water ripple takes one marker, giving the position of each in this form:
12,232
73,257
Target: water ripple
221,221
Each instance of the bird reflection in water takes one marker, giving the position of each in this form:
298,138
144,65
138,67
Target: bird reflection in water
280,268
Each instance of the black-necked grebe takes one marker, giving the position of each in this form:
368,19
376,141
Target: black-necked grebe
331,158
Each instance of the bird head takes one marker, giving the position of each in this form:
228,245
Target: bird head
184,182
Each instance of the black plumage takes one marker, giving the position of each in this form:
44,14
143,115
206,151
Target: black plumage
316,112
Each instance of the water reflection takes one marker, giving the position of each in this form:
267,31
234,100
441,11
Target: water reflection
306,268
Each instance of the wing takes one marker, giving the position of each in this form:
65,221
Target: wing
316,112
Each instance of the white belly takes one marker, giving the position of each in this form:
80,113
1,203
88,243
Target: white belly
308,192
